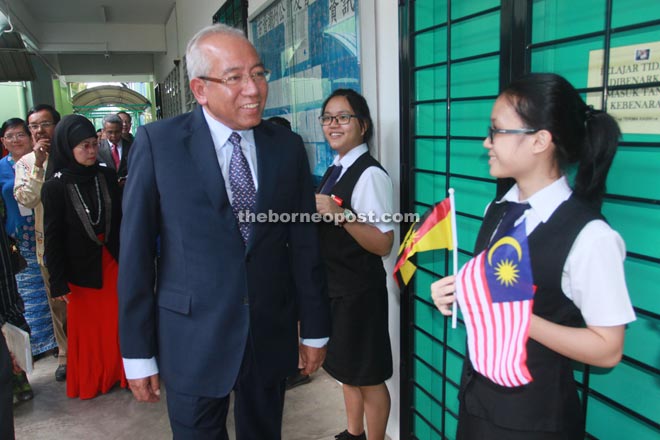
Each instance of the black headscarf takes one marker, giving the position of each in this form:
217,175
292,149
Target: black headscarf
69,132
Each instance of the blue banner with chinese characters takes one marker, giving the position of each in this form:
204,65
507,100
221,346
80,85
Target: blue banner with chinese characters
312,48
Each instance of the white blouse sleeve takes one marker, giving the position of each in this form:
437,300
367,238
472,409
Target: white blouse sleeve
372,197
593,276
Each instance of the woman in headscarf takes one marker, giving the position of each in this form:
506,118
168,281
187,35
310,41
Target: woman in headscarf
81,221
19,224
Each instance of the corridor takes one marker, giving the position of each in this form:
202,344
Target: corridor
313,411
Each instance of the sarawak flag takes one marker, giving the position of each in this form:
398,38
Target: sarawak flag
495,292
432,231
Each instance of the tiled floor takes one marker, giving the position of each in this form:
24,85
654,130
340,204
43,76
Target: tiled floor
312,412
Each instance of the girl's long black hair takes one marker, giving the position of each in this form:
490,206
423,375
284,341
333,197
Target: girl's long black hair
580,133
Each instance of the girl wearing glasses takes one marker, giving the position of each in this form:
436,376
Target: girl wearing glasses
359,353
19,224
540,126
81,219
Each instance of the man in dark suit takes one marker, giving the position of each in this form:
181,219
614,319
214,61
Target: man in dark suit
229,292
113,149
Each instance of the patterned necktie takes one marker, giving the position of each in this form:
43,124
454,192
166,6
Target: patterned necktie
241,184
115,155
332,179
513,212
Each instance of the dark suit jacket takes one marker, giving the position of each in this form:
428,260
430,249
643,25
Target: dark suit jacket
105,156
70,254
215,296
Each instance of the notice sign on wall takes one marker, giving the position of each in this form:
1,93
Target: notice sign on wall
312,48
637,109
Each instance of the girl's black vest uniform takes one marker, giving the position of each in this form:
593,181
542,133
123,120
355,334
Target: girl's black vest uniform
359,351
550,402
350,268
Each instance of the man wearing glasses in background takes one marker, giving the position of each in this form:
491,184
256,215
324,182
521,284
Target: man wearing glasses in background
229,293
30,170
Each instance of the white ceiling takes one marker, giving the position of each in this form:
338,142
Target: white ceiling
99,11
92,38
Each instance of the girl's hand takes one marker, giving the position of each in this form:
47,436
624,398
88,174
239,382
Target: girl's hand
442,292
326,205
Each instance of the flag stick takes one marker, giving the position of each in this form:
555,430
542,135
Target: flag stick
454,240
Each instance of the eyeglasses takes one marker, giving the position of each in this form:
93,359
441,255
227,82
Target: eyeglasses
259,77
492,131
42,125
16,137
344,119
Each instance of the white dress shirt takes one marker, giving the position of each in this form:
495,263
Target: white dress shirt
373,190
224,149
593,275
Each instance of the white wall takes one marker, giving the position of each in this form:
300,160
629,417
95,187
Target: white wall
186,18
387,74
380,82
163,64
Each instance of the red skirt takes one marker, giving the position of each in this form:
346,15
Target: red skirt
94,363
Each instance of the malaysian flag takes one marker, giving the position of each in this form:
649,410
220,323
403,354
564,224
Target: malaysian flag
495,292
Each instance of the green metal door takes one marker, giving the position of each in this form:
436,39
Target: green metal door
455,57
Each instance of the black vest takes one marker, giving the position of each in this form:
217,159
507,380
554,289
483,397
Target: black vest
350,268
550,402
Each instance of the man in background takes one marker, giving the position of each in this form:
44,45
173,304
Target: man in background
113,149
30,171
127,121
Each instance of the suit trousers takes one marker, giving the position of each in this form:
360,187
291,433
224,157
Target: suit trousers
258,409
58,316
6,392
